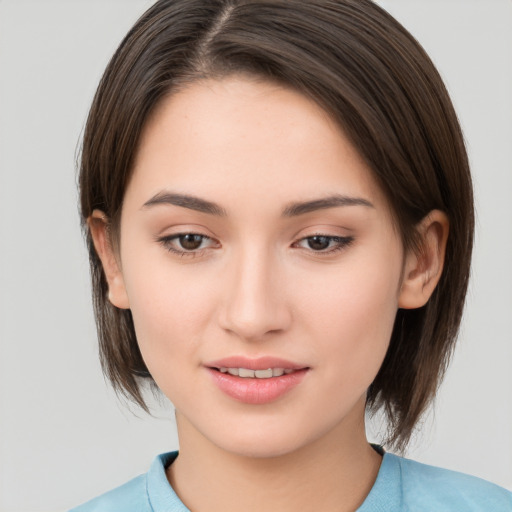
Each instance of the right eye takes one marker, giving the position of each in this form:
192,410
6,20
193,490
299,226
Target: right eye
186,244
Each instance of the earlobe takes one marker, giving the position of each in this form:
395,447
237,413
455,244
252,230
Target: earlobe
98,227
423,268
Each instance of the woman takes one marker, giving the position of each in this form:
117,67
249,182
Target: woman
279,214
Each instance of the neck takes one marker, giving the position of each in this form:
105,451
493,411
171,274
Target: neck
333,473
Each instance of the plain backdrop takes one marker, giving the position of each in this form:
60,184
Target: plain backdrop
64,437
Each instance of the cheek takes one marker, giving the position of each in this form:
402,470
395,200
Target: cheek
351,315
169,312
358,296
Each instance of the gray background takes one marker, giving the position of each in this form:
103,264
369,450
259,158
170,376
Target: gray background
63,435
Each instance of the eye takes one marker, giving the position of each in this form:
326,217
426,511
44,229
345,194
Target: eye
190,241
186,244
325,243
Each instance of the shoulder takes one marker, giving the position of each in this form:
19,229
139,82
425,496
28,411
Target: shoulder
130,497
145,493
427,487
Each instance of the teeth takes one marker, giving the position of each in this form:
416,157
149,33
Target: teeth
259,374
263,374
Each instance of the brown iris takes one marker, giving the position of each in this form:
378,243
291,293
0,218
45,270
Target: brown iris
319,243
190,241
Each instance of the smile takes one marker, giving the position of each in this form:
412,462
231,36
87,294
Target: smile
256,387
247,373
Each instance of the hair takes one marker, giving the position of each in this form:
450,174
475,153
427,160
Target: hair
373,78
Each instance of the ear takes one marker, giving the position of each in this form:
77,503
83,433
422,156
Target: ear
99,229
423,268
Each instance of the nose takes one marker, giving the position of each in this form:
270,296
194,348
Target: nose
255,302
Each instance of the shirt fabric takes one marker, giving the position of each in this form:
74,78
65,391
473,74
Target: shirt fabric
402,485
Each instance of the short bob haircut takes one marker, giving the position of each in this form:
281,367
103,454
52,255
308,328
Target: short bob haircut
373,78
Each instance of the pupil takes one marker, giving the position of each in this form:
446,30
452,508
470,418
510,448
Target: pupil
318,243
190,241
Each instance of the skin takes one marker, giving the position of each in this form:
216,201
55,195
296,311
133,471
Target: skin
256,287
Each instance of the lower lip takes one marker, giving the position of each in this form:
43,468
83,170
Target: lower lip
254,390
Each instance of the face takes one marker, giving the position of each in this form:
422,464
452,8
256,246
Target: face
253,236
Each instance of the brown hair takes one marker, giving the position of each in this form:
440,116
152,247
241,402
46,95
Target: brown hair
373,78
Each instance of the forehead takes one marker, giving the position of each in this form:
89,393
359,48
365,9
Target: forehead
238,138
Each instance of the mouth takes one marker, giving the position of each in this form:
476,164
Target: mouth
247,373
256,381
263,367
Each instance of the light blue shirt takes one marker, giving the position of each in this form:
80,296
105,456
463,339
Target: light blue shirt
402,485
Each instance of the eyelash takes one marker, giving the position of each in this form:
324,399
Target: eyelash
342,242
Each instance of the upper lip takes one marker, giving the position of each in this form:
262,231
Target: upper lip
259,363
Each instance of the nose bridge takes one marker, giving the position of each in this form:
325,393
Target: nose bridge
255,303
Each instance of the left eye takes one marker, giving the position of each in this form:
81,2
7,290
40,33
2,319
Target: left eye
325,243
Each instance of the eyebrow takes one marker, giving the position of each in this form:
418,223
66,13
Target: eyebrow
334,201
186,201
291,210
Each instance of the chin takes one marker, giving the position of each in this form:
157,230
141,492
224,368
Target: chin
262,449
264,441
